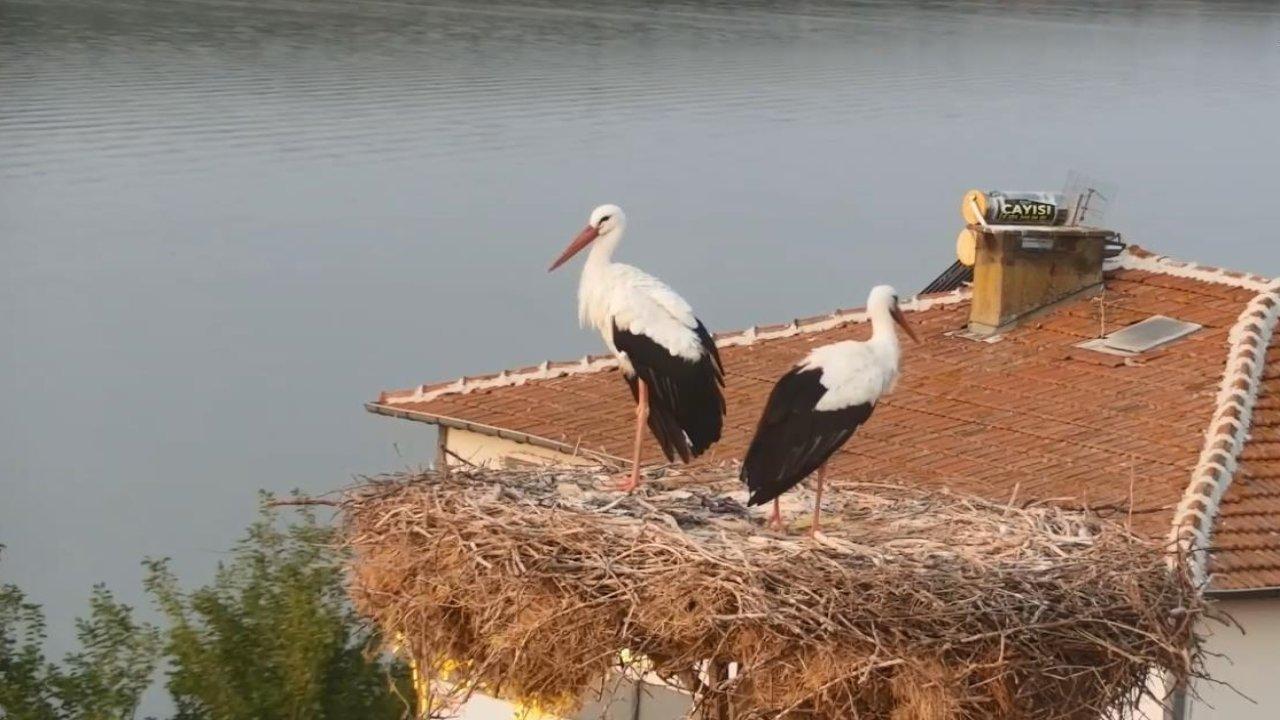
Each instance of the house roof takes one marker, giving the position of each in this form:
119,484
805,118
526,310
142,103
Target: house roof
1025,416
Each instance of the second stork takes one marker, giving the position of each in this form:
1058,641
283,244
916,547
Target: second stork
815,408
667,356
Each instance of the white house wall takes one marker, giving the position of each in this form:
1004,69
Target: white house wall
1251,664
487,450
655,703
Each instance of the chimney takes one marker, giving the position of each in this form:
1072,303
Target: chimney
1017,272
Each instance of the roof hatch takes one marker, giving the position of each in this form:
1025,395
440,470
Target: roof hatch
1142,336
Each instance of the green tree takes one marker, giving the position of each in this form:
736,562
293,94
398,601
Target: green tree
103,681
24,689
106,679
273,636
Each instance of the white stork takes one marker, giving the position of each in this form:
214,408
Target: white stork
667,356
815,408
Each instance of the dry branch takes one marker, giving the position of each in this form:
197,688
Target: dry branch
536,584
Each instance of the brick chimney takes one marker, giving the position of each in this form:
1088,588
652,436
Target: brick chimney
1018,272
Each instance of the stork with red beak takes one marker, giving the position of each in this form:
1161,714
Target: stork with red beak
815,408
666,354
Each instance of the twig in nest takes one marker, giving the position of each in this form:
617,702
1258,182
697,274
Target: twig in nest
457,457
304,501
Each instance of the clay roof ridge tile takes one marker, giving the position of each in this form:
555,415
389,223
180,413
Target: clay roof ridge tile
596,363
1134,258
1228,429
1137,258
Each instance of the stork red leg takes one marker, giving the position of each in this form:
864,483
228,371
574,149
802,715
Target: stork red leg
642,417
817,500
775,520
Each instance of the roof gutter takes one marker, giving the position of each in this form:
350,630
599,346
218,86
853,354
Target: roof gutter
1244,593
482,429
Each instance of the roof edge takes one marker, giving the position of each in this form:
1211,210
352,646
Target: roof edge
1135,257
481,428
1228,428
597,363
1132,258
1258,593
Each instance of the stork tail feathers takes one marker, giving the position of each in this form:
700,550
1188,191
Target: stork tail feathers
686,400
793,439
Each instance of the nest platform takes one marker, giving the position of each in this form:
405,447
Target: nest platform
541,584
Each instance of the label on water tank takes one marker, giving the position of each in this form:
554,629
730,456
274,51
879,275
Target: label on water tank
1025,208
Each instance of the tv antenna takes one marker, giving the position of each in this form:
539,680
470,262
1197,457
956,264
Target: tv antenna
1088,199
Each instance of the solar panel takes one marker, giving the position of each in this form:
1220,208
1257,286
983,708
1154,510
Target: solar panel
950,279
1152,332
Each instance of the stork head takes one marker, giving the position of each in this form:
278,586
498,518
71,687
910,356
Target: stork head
882,300
604,221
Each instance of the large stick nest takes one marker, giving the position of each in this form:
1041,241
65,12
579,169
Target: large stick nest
538,584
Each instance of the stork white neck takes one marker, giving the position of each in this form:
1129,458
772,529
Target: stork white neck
884,336
602,249
593,284
882,325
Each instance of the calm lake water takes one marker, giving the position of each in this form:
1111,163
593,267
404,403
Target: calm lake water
225,225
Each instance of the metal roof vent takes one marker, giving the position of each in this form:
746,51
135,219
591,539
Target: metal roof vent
1151,333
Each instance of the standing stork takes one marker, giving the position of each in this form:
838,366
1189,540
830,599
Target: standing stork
667,356
815,408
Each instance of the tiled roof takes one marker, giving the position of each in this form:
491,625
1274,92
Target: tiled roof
1027,417
1246,524
1247,537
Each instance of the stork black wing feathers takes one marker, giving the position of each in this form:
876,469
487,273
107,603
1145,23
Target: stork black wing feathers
793,438
709,345
686,403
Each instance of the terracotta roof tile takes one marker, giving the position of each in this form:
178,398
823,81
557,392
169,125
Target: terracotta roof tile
1028,412
1246,539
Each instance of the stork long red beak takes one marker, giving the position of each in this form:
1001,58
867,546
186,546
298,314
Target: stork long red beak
584,239
901,319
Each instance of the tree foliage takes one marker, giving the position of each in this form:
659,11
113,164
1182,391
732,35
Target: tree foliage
104,680
273,637
24,688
